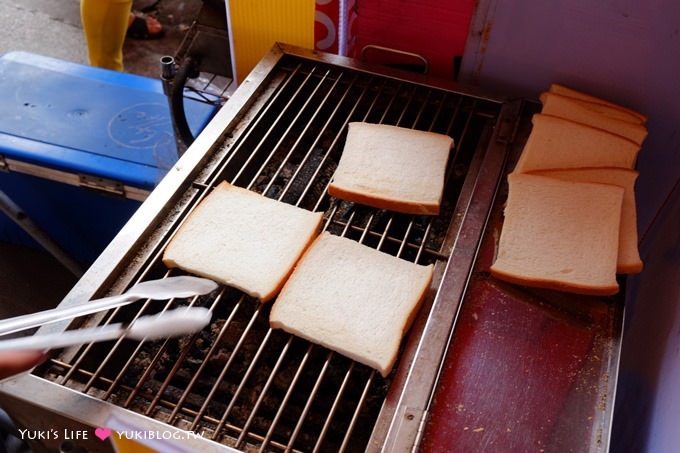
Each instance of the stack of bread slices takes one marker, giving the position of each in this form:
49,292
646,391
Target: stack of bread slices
570,218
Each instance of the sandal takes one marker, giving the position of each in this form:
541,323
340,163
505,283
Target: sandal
139,27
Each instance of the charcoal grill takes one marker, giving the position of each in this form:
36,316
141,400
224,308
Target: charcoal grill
240,385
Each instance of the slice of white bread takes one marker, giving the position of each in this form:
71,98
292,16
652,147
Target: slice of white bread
583,112
352,299
629,261
390,167
628,114
558,234
243,239
561,143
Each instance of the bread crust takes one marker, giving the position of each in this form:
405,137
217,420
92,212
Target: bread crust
509,277
635,268
381,202
563,90
634,131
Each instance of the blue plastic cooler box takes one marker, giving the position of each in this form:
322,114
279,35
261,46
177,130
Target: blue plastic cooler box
81,147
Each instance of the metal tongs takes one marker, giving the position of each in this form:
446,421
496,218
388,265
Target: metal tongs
171,287
171,323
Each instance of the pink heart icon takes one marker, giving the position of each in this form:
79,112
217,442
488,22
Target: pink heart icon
102,433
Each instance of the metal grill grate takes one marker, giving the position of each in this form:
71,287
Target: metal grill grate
239,382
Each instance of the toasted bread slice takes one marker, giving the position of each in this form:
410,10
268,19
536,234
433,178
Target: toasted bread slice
559,234
244,240
556,142
590,113
393,168
352,299
611,108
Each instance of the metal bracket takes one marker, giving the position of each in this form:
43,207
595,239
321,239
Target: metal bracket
388,50
101,184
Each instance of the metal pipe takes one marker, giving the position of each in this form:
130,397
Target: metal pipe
18,216
174,79
168,68
186,70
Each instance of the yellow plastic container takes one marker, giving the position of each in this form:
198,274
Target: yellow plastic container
123,445
255,25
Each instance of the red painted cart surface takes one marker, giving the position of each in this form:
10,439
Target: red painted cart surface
526,369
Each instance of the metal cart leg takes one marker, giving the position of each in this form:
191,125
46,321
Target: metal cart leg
14,212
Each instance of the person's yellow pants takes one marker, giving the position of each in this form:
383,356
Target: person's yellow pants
105,23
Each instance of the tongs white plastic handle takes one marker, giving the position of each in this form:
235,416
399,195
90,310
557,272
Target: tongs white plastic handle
172,323
166,288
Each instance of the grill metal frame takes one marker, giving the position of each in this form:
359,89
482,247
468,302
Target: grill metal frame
131,255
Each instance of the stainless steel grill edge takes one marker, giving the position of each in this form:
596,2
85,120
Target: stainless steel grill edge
281,134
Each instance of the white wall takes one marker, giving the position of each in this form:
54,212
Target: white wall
648,399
